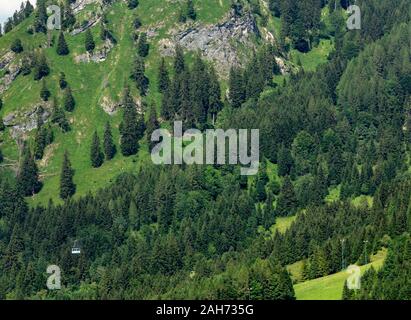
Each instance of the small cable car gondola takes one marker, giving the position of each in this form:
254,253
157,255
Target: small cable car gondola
76,248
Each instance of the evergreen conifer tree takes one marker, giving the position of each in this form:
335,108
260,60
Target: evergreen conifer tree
109,146
67,186
96,155
62,48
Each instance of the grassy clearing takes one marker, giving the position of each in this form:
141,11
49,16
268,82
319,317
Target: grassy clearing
317,56
330,287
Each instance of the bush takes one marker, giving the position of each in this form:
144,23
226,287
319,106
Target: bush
16,46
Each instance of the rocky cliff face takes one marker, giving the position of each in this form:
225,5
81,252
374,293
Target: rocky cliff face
11,69
219,43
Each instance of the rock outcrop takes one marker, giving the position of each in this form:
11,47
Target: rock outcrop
11,69
21,122
98,55
219,43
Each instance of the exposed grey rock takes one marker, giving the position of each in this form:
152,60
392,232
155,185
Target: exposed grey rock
81,4
219,43
99,54
26,121
12,68
6,59
90,24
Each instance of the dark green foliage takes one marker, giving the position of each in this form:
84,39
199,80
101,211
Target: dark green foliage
137,23
132,4
96,155
163,77
44,92
59,117
41,68
40,19
236,87
16,46
2,126
68,100
62,81
142,45
67,186
62,48
152,125
89,43
285,161
129,129
190,10
108,143
179,63
27,178
138,75
287,203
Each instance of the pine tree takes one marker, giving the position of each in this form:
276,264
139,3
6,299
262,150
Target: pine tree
152,125
96,155
68,100
62,81
1,103
40,19
163,77
128,128
67,186
109,146
41,67
214,94
59,117
16,46
138,75
62,48
89,41
191,12
347,293
2,126
132,4
285,161
287,203
236,87
179,63
142,45
28,180
44,92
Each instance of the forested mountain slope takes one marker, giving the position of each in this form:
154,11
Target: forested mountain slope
78,107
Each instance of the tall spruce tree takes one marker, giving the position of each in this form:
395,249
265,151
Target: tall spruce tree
40,19
236,87
67,186
191,12
138,75
96,155
163,77
179,63
128,127
109,146
62,48
142,45
152,125
28,179
287,203
44,91
41,67
68,100
89,43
